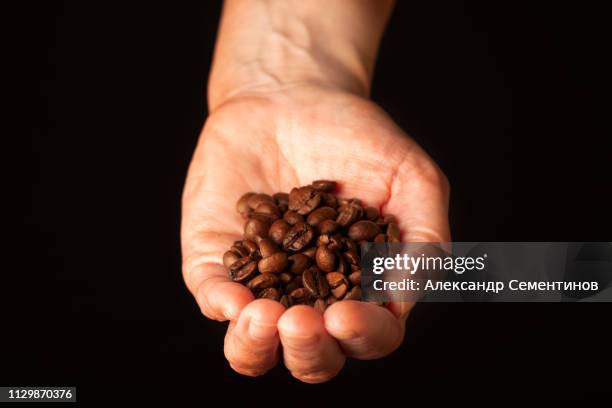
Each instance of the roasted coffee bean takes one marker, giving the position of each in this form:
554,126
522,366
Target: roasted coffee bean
298,263
250,245
268,208
338,284
267,248
275,263
269,218
299,296
310,252
329,200
256,199
354,294
355,277
281,199
320,305
348,214
326,186
314,280
256,228
242,206
371,213
304,247
243,269
240,249
327,227
269,293
292,217
284,300
363,230
343,265
296,283
278,230
325,259
285,277
321,214
304,199
229,258
298,237
393,232
262,281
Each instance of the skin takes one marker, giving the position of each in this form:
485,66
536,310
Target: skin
282,114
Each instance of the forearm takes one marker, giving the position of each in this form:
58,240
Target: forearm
266,45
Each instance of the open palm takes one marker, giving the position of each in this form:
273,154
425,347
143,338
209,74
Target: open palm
273,142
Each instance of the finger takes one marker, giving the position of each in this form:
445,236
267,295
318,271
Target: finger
419,199
364,330
309,352
251,343
217,296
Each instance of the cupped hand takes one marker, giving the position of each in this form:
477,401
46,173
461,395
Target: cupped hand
271,142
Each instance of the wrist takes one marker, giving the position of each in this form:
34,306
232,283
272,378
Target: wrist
270,46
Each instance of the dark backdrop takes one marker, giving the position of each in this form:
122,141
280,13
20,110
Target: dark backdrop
508,97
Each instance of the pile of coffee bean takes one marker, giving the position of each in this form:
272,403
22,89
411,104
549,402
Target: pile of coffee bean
304,247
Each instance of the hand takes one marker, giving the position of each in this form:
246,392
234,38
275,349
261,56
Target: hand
272,141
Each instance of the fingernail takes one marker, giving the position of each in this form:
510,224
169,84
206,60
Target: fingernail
262,331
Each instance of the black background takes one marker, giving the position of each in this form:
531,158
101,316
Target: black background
508,97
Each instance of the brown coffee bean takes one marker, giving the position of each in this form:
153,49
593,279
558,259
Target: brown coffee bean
348,214
229,258
255,228
354,294
299,296
329,200
371,213
349,245
314,280
269,218
326,186
242,206
343,266
352,257
278,230
284,300
304,199
325,259
320,305
269,293
310,252
262,281
327,227
321,214
240,249
243,269
338,284
363,230
335,243
393,232
292,217
355,277
296,283
268,208
285,277
281,199
267,248
250,245
256,199
298,263
275,263
298,237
